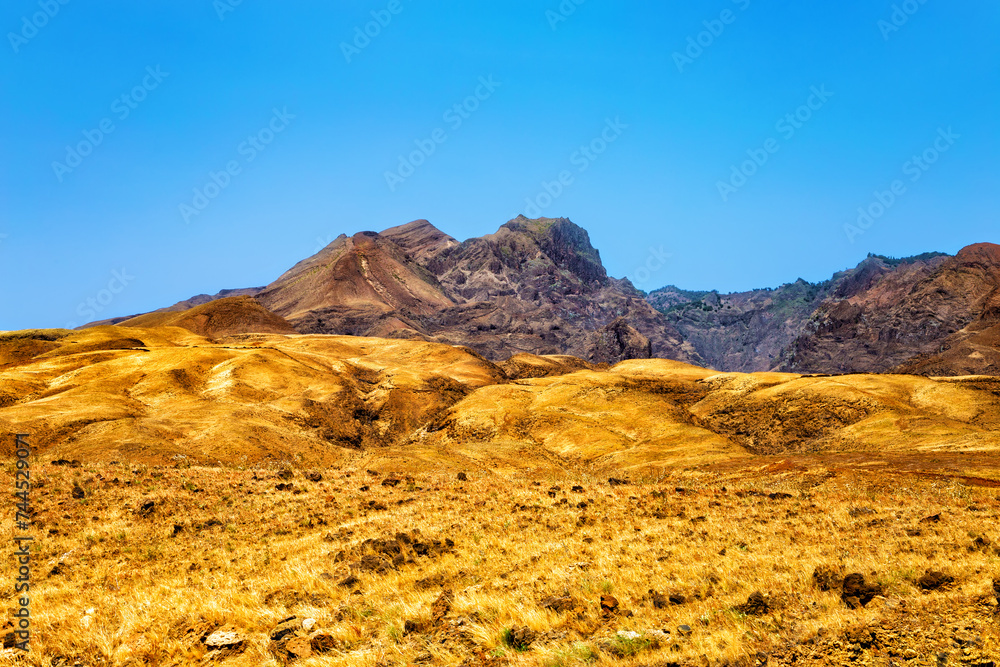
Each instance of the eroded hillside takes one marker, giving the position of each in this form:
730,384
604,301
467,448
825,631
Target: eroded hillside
122,393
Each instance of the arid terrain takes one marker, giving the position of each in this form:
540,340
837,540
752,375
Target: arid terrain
410,502
738,564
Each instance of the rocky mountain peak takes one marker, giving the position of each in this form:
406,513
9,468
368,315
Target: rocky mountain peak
983,254
565,243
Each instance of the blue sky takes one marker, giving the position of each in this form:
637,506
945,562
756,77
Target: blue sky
634,117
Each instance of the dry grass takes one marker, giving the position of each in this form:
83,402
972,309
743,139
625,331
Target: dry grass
249,556
861,458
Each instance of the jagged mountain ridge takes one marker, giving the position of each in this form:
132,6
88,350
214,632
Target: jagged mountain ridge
538,286
534,286
933,317
931,314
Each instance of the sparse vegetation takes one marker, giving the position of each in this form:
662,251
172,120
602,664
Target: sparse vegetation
241,556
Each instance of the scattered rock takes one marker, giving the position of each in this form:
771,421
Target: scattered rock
285,486
314,476
559,603
308,624
609,605
577,489
658,599
933,518
519,639
613,481
382,555
177,529
298,648
322,642
462,477
933,580
146,508
856,592
286,641
981,543
684,630
284,628
826,578
677,599
391,481
78,491
441,606
225,640
411,626
862,637
756,605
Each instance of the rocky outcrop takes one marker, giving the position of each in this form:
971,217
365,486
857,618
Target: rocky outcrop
534,286
618,341
932,314
935,316
743,331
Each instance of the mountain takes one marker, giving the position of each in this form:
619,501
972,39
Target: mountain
932,314
197,300
537,286
743,331
926,316
534,286
226,316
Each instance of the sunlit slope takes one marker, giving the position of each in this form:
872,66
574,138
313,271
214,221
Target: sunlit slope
150,394
115,392
658,412
221,317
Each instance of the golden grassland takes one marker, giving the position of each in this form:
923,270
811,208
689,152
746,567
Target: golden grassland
228,484
117,581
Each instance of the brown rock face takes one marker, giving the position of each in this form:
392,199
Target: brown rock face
535,286
618,341
934,317
930,315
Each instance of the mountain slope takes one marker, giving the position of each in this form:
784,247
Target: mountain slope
885,314
360,285
890,318
538,286
535,286
216,318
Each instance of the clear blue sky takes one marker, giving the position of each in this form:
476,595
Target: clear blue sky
65,229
